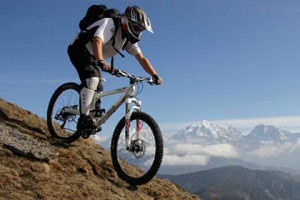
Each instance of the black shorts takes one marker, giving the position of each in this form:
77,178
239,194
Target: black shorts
83,61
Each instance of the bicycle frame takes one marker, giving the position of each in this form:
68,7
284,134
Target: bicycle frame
128,97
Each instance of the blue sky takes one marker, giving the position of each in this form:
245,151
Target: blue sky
234,62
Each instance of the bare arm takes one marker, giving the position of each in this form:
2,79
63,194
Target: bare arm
147,66
97,48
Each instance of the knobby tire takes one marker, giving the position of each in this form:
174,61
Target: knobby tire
119,159
65,95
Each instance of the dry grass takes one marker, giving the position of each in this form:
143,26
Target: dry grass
82,170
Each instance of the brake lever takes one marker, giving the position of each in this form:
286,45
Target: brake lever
116,72
151,81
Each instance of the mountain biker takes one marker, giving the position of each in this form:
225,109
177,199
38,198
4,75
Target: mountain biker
88,58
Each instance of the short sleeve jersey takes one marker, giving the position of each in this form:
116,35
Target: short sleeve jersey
105,31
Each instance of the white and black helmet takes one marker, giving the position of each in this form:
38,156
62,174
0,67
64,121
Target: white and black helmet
134,22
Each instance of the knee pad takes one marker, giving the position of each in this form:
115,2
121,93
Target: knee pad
92,83
86,98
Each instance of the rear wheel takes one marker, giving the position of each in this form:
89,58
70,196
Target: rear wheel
145,149
63,112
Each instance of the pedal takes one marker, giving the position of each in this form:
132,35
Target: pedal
85,135
88,132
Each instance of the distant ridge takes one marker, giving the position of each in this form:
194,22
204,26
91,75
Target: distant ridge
236,182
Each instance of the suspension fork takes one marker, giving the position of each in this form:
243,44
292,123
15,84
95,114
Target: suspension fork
129,110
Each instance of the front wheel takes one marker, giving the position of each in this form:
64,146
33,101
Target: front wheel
63,112
144,150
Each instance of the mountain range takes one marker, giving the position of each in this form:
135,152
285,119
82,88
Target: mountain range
209,133
207,145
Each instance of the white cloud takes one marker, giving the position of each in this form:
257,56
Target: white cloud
268,151
196,154
285,155
185,160
221,150
273,151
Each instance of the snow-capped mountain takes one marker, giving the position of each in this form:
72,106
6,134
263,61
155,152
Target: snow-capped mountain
207,133
270,134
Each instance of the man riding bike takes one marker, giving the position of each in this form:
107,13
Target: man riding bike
88,58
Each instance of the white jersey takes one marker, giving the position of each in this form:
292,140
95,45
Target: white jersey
105,31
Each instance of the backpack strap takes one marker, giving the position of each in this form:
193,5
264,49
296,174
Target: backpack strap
117,25
86,35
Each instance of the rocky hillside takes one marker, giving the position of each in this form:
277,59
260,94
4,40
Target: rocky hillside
34,166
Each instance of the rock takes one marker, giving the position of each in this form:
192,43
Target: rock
25,145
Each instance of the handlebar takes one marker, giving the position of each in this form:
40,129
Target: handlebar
133,78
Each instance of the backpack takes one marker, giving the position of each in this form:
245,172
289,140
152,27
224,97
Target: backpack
93,14
97,12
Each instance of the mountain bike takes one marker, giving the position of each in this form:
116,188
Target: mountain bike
136,139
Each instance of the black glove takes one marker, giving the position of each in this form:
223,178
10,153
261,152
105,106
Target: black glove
105,66
155,78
